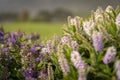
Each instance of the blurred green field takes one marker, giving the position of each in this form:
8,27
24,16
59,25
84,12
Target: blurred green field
45,29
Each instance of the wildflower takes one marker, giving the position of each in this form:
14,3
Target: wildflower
65,40
118,75
82,74
117,65
118,21
79,64
99,15
88,26
97,41
29,74
109,9
43,74
76,60
50,46
62,61
110,55
45,50
74,45
1,34
73,21
12,37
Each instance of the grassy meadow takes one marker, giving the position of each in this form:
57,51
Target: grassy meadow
45,29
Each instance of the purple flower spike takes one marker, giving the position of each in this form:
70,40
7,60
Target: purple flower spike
110,55
1,34
12,37
29,72
97,41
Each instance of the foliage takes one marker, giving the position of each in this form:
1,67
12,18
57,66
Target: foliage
88,50
91,46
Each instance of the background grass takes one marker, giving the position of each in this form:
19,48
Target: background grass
45,29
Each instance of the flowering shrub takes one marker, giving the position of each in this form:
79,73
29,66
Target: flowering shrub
88,50
22,57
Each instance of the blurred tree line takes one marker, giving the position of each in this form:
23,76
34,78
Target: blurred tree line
44,15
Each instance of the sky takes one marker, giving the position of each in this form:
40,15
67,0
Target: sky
33,6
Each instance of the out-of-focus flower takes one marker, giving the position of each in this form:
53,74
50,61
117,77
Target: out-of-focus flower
79,64
118,21
62,61
64,65
82,74
43,74
73,21
97,41
45,50
74,45
110,55
65,40
99,15
109,9
117,65
1,34
118,75
76,60
29,73
88,27
12,37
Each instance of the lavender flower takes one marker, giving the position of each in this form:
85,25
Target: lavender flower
64,65
45,50
88,26
117,65
97,41
1,34
65,40
12,37
62,61
29,74
74,45
79,64
110,55
76,60
43,74
118,21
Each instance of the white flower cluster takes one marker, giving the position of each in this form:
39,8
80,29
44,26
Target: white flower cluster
88,26
110,55
97,41
98,15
